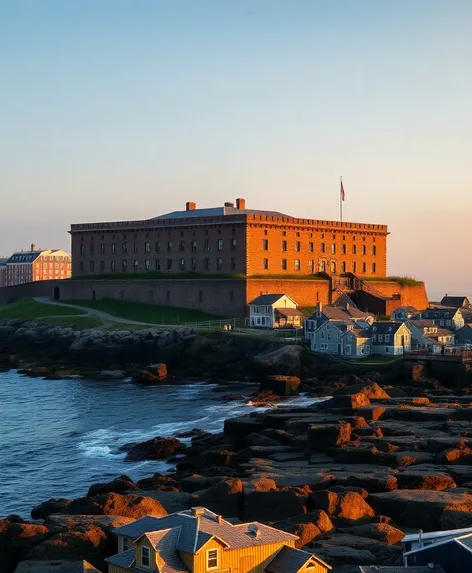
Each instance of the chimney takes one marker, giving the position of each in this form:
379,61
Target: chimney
33,247
319,307
196,511
229,204
219,519
348,306
190,206
240,203
420,537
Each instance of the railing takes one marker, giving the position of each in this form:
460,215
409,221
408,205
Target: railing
448,355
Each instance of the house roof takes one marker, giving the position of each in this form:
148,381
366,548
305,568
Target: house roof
465,541
387,327
454,301
441,332
198,529
443,312
422,323
415,569
334,312
269,299
437,534
409,309
361,332
125,559
291,560
289,311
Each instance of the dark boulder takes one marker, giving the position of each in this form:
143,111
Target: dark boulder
115,504
321,437
281,385
159,448
120,484
54,505
224,498
273,505
153,374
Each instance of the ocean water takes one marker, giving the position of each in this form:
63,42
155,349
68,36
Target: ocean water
58,437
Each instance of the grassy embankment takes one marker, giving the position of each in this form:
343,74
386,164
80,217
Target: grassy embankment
403,281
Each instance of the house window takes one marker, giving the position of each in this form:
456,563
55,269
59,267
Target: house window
125,544
147,265
102,266
333,248
158,264
387,338
297,246
233,244
380,337
311,266
194,245
81,266
297,264
220,244
182,264
343,265
284,264
145,556
311,246
364,267
147,247
265,264
265,245
91,249
135,248
284,245
206,264
212,559
200,296
219,264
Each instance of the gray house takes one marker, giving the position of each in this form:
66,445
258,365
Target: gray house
454,555
455,301
403,313
445,317
463,336
328,337
390,338
346,313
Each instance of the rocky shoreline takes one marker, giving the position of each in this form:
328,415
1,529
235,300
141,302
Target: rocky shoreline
389,453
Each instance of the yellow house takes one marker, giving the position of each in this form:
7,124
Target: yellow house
200,541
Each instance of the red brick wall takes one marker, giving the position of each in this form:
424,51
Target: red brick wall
303,292
415,296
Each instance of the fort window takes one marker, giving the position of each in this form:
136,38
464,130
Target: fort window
298,234
200,296
311,246
113,266
92,265
219,264
147,265
364,250
343,266
113,248
82,249
364,267
311,266
233,244
334,237
233,264
284,233
284,245
265,264
265,245
194,245
297,264
322,247
158,246
124,248
169,264
158,264
374,268
206,264
354,250
81,266
135,248
354,266
265,232
102,266
284,264
169,245
194,264
182,245
333,248
182,264
91,249
343,248
374,250
136,266
297,246
207,245
147,247
181,233
102,248
220,244
231,296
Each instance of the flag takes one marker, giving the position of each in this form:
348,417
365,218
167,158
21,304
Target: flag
343,195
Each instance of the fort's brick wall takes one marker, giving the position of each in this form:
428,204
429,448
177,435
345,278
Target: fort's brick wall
414,295
303,292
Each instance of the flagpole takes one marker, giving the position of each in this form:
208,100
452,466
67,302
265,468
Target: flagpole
341,200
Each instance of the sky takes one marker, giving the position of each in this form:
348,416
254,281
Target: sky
114,109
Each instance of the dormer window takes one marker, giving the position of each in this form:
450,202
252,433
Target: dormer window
212,559
145,556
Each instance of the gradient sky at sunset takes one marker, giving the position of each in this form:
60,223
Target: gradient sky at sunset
113,109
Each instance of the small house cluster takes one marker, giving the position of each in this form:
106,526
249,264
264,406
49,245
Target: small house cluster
344,330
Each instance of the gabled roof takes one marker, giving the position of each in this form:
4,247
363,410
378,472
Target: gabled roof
269,299
422,323
360,332
198,529
409,309
125,559
289,311
339,312
464,541
387,327
437,534
455,301
291,560
443,312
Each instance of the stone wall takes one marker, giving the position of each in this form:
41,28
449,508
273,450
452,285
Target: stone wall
28,290
414,295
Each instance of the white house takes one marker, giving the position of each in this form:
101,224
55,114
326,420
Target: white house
274,311
390,338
